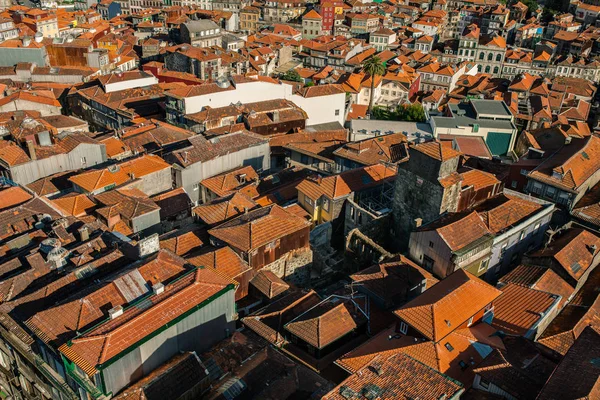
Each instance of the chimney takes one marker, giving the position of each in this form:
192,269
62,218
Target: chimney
31,149
418,222
276,116
84,233
592,248
115,312
158,288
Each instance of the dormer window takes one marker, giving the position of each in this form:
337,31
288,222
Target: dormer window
403,327
557,175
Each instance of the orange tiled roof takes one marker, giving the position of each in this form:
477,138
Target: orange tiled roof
398,377
458,230
259,227
114,147
223,260
126,171
223,209
113,337
539,278
385,148
312,14
392,279
520,308
478,179
269,284
447,305
571,166
13,196
12,154
347,182
225,183
76,205
326,323
183,244
573,250
576,376
507,211
436,150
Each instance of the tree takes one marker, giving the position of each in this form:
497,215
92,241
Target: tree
374,67
532,6
411,113
292,75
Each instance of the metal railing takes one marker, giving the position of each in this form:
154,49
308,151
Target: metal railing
85,383
55,379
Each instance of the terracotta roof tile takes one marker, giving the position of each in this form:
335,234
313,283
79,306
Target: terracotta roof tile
13,196
447,305
583,310
393,278
572,166
347,182
117,335
172,203
129,170
520,308
184,243
436,151
458,230
259,227
573,251
12,154
478,179
506,211
223,260
76,205
269,321
385,148
397,377
326,322
224,209
577,375
269,284
114,147
539,278
227,182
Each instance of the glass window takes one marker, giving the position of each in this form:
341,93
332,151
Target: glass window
403,327
483,266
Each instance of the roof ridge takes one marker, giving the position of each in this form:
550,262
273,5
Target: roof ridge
319,329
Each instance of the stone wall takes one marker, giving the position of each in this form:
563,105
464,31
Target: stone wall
293,267
419,197
361,252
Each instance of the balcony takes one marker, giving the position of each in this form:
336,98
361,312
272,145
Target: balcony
84,382
54,378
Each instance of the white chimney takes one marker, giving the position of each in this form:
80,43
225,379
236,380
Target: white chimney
158,288
115,312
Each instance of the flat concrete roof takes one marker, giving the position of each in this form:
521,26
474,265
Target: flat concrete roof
367,126
491,107
469,115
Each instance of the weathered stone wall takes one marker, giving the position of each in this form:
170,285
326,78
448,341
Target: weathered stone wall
361,252
293,267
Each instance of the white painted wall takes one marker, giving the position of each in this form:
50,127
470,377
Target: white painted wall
320,109
130,84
